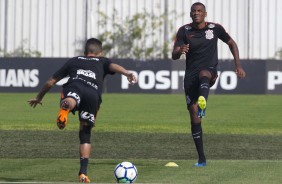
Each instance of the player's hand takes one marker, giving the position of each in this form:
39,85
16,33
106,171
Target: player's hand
131,78
34,102
240,72
184,48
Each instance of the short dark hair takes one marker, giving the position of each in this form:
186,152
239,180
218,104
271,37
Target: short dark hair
198,3
93,46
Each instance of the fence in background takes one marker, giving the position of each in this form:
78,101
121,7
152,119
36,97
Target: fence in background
57,28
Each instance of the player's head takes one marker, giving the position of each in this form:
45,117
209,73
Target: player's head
93,46
198,12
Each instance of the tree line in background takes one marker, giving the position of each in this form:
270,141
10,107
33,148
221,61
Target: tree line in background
137,36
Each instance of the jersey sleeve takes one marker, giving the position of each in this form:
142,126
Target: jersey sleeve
63,71
107,63
222,34
180,38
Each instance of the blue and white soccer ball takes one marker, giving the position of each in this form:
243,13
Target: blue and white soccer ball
125,172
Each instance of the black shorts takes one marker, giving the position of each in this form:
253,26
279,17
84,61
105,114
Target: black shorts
191,85
87,99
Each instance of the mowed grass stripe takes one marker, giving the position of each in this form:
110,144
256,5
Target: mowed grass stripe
113,145
150,171
151,113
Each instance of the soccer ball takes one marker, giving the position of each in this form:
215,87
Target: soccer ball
125,172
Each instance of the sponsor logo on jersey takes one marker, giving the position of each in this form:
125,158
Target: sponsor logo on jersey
89,58
87,82
209,34
87,73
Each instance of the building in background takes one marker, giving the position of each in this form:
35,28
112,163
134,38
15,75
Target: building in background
58,28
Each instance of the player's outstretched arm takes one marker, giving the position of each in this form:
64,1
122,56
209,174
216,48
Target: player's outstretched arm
47,86
235,52
119,69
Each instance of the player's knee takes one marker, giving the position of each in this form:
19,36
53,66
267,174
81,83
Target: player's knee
85,134
68,103
205,73
195,120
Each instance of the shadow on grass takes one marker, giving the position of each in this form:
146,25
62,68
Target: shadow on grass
64,144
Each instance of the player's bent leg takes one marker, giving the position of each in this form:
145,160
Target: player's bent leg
62,118
85,150
66,106
205,77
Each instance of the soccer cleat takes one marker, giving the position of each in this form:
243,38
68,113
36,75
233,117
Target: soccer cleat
203,164
202,104
83,178
62,118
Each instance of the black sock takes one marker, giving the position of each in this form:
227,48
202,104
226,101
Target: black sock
196,129
204,87
83,165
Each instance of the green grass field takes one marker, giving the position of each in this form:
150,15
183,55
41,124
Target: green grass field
242,135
